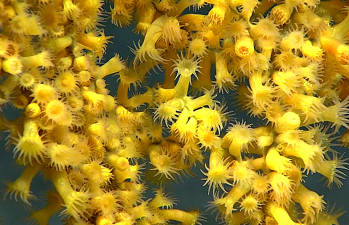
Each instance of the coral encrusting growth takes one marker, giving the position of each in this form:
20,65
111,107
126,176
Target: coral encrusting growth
288,62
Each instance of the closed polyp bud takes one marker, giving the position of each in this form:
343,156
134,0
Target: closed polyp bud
12,65
32,110
288,121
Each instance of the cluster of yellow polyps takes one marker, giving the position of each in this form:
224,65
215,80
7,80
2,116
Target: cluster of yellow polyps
288,61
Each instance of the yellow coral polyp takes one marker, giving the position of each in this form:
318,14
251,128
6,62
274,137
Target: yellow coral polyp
207,138
146,13
21,186
118,162
97,129
210,118
171,32
262,92
148,48
95,43
343,54
277,162
258,30
75,103
229,202
58,112
185,68
260,185
167,111
309,153
98,174
163,162
105,203
95,101
121,14
12,65
224,78
30,146
336,113
242,173
332,170
82,64
281,13
238,138
27,80
310,201
198,47
161,200
62,156
59,44
44,93
114,65
287,81
218,173
250,205
293,40
84,78
280,215
75,202
244,47
39,60
282,188
185,127
186,218
92,10
217,13
8,48
288,121
313,52
42,216
32,110
22,24
66,82
308,105
70,10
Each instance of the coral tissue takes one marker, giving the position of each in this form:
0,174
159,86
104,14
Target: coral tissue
285,62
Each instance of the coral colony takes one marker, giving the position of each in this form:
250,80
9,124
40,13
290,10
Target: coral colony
286,60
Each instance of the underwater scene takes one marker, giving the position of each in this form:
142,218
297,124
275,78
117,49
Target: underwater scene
159,112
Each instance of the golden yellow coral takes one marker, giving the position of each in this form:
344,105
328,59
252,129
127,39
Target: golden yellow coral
186,218
291,66
22,24
114,65
250,205
94,42
311,203
75,202
224,78
12,65
30,146
163,161
62,156
238,138
280,215
161,200
197,47
44,93
57,112
66,82
21,186
218,173
32,110
42,216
